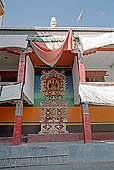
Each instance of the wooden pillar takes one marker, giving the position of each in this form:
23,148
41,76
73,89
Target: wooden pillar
86,123
17,131
84,106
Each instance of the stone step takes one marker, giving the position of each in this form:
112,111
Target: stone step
25,161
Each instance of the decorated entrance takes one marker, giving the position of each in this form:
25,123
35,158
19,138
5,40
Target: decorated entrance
53,55
53,117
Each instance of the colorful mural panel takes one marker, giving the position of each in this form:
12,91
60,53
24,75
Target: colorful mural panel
68,96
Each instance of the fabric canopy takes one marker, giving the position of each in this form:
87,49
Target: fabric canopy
90,42
13,41
28,88
75,77
50,53
97,94
11,92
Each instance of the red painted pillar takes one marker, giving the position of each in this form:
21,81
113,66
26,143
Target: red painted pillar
84,106
86,123
17,131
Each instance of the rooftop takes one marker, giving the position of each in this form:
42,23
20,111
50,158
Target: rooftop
90,29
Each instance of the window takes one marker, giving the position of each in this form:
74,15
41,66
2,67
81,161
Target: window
8,76
95,76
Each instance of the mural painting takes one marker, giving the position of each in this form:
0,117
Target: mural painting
53,88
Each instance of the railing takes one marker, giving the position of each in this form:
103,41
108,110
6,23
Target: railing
99,83
26,161
7,83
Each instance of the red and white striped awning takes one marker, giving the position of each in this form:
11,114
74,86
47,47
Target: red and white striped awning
50,52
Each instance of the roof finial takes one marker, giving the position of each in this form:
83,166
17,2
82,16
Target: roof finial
53,22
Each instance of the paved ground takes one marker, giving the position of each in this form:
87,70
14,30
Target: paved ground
95,156
51,143
86,166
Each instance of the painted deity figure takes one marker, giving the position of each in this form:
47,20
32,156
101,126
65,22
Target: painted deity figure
53,84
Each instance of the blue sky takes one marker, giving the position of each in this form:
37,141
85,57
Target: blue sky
28,13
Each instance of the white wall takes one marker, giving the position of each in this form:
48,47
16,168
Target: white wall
101,61
110,75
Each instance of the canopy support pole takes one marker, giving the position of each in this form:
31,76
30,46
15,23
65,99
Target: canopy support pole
84,106
17,131
86,123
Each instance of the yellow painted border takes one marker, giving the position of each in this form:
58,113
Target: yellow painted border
103,123
97,123
5,124
25,124
74,124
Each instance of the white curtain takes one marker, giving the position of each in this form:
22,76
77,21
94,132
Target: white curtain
29,82
95,40
97,94
75,77
11,92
